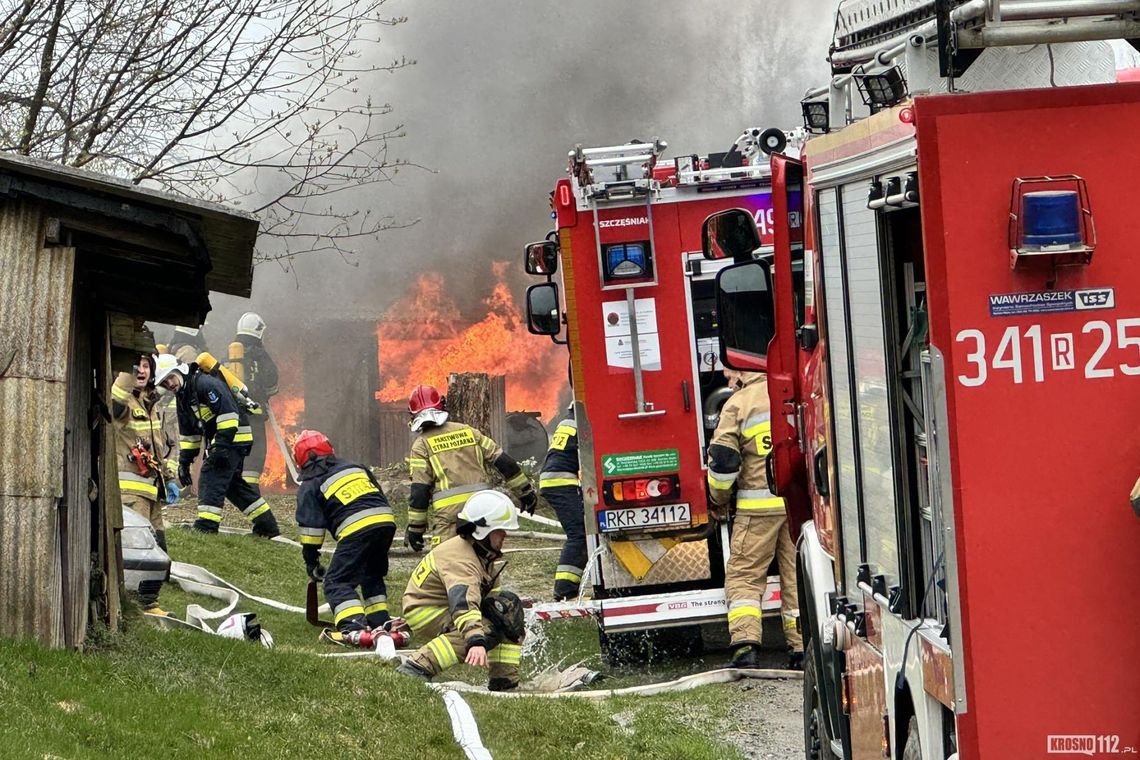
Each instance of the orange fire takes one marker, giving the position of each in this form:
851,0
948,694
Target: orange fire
289,411
422,339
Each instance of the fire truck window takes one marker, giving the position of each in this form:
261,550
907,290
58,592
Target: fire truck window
627,261
746,312
846,489
869,357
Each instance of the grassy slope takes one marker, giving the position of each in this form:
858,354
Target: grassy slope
158,694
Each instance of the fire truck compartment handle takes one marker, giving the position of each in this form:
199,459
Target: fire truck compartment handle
685,394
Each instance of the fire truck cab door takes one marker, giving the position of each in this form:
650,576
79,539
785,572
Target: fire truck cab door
787,473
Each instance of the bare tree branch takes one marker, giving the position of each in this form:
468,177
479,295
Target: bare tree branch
257,102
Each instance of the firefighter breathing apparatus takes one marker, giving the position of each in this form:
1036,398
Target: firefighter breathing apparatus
208,364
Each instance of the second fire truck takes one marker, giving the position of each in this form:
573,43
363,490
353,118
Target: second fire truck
640,320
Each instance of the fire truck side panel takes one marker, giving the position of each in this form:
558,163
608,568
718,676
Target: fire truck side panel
1043,411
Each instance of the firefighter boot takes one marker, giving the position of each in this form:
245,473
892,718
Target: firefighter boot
409,668
795,660
201,525
745,657
265,525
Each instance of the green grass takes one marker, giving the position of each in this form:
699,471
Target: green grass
147,693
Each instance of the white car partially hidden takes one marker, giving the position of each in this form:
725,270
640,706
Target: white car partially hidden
145,564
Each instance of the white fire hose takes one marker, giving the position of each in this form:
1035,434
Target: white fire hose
684,683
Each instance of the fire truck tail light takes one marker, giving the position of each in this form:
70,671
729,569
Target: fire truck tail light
657,488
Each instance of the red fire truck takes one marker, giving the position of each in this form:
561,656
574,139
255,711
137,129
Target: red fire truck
960,394
641,328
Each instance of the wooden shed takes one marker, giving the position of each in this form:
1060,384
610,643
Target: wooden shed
84,260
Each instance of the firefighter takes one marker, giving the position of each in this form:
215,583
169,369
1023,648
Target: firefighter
260,376
146,476
187,342
451,606
737,455
344,499
560,486
449,462
208,412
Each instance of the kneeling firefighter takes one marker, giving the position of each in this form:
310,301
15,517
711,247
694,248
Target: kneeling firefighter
449,462
207,411
560,486
737,455
450,602
344,499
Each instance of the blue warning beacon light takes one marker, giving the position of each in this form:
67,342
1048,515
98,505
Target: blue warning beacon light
1050,219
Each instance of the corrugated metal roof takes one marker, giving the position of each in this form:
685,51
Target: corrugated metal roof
229,234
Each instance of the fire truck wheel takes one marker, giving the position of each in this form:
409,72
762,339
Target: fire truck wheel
816,744
912,750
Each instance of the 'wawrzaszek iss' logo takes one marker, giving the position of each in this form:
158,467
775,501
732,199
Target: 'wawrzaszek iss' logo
1051,301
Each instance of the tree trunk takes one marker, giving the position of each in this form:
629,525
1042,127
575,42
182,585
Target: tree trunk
478,400
469,399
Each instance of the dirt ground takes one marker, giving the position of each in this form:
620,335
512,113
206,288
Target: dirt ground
767,719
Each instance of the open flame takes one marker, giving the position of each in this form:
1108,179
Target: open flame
289,411
423,339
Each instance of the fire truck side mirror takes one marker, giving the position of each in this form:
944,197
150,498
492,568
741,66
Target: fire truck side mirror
541,258
746,315
543,309
730,234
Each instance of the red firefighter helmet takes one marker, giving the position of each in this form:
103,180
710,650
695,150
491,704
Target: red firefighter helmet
311,443
424,397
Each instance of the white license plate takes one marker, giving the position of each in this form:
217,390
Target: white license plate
636,518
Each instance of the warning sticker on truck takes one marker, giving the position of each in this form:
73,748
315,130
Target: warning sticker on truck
1049,301
638,462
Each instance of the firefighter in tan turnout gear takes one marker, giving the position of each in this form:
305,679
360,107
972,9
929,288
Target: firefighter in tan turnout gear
737,455
147,476
449,462
451,606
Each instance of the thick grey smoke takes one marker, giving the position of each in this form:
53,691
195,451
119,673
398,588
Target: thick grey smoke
503,88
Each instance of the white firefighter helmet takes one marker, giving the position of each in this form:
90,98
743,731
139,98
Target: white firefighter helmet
251,324
191,332
244,625
488,511
165,364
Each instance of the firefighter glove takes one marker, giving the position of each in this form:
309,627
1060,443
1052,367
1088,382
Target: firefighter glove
172,492
316,572
184,478
414,538
529,500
